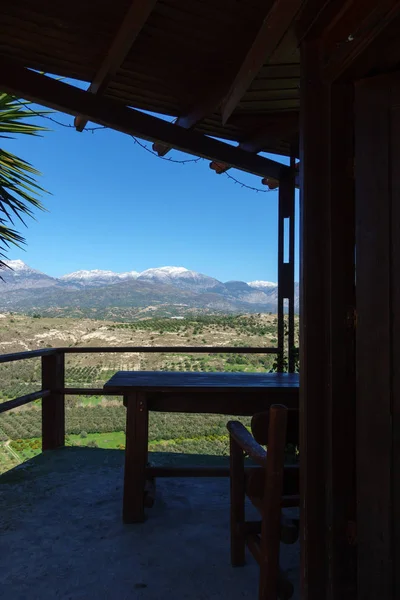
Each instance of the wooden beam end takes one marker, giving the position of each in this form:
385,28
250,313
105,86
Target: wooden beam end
160,149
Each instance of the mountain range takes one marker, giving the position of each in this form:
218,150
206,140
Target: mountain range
175,289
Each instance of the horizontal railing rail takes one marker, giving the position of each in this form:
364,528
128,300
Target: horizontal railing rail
10,404
171,349
69,391
4,358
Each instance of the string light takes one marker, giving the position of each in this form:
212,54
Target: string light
53,120
144,147
247,187
167,158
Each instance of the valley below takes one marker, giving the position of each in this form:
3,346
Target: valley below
98,420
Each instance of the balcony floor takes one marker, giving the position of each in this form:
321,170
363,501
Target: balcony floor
62,535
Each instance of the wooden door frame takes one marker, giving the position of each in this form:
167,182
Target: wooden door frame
327,399
378,336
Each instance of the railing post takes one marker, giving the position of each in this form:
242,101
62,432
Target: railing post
286,269
53,408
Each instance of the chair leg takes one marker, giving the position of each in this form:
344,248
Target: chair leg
237,483
272,511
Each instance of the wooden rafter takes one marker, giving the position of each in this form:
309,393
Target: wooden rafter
272,30
130,28
24,83
199,112
272,128
277,21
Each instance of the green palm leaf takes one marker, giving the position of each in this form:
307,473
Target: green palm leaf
19,191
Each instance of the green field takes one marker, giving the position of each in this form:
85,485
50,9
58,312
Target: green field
208,444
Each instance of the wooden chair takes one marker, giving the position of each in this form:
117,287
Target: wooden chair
270,487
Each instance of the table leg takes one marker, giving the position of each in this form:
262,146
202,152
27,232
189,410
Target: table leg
135,457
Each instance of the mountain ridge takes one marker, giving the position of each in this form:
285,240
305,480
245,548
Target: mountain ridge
25,289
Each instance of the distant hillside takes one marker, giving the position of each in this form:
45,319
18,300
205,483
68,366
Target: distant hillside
163,291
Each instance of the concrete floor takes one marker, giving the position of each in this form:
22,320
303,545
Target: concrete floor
62,535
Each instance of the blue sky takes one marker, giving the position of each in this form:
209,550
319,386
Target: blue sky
115,206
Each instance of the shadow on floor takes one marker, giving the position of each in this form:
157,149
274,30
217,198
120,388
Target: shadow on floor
63,536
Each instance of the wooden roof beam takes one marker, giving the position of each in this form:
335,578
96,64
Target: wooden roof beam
24,83
130,28
272,30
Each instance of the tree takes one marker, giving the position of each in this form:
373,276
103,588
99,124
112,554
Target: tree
19,190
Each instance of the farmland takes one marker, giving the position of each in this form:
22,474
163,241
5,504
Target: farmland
100,420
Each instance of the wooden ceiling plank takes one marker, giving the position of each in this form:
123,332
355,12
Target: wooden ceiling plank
271,32
57,95
130,28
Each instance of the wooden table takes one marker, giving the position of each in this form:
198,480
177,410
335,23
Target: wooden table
218,393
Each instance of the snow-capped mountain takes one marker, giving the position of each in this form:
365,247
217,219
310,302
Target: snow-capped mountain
97,277
180,277
19,275
23,288
262,284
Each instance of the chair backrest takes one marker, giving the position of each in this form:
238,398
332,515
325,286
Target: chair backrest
260,427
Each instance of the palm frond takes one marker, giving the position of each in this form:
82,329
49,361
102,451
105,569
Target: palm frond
19,191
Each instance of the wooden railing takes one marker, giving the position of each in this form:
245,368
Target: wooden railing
53,388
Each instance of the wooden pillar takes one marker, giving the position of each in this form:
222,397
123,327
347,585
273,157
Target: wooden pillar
341,399
378,336
326,335
53,409
313,322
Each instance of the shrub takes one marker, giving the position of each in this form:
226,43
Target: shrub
83,434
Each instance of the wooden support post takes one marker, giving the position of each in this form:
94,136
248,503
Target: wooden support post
53,409
281,274
327,380
378,336
341,401
136,450
286,269
313,322
290,292
237,481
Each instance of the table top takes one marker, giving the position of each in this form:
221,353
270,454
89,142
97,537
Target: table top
176,381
